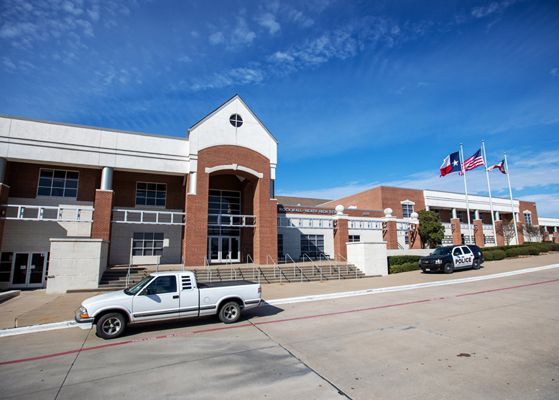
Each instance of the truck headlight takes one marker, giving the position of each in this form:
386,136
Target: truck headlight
438,261
83,312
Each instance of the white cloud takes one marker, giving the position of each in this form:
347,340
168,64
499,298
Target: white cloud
493,8
554,72
217,38
546,204
268,21
237,76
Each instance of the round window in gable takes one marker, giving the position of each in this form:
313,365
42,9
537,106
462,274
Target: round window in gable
236,120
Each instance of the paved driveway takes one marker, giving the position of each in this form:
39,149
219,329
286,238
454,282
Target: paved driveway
494,339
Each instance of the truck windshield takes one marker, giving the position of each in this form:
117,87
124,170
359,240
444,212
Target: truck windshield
442,251
138,286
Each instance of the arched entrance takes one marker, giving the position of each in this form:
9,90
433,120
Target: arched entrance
231,215
230,218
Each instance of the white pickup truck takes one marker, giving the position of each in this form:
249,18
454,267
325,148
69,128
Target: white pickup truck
164,296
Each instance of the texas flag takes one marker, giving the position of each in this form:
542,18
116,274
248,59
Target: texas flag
451,164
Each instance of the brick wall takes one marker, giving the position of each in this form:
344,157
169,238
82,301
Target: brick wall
124,186
527,205
196,206
23,179
381,198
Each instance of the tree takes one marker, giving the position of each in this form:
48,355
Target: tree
534,233
506,230
430,230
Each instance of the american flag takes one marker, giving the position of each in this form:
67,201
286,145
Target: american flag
474,161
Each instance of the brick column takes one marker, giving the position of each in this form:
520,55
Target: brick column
500,240
413,235
266,231
341,236
390,235
520,233
478,235
196,222
546,236
555,237
456,231
4,194
101,227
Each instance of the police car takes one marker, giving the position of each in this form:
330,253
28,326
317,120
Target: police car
449,258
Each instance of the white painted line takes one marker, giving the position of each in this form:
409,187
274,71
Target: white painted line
73,324
38,328
405,287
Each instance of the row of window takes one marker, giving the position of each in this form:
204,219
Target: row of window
59,183
311,245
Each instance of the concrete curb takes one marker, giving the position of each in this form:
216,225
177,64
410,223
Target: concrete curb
8,295
404,287
73,324
38,328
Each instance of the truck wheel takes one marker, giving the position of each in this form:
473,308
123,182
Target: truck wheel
448,268
476,264
111,325
230,312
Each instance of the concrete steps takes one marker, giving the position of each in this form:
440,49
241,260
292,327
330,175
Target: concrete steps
114,278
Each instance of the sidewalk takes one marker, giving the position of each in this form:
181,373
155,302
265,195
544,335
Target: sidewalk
36,307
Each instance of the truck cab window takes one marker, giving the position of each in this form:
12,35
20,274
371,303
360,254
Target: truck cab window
163,284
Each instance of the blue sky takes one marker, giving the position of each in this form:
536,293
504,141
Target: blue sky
358,93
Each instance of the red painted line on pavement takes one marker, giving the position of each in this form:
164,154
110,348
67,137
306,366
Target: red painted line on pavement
270,322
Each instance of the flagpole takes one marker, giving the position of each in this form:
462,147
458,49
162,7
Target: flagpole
466,191
511,202
489,188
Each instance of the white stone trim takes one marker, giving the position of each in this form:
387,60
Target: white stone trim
234,167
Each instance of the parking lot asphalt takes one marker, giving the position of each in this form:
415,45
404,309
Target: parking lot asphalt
35,307
483,334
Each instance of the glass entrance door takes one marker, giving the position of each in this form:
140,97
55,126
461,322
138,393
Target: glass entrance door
223,248
28,270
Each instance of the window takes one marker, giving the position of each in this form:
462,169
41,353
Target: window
280,246
460,217
58,183
407,210
5,266
151,194
354,238
147,244
407,238
457,252
312,245
236,120
163,284
528,218
224,202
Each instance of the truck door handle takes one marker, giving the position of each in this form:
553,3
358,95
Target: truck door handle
176,297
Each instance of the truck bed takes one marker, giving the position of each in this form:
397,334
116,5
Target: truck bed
209,285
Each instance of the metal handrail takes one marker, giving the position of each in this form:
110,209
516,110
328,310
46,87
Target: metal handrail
253,267
207,266
314,266
230,263
281,273
331,265
275,265
294,266
347,265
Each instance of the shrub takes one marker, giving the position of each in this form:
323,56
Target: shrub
554,246
399,260
494,255
534,250
409,266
